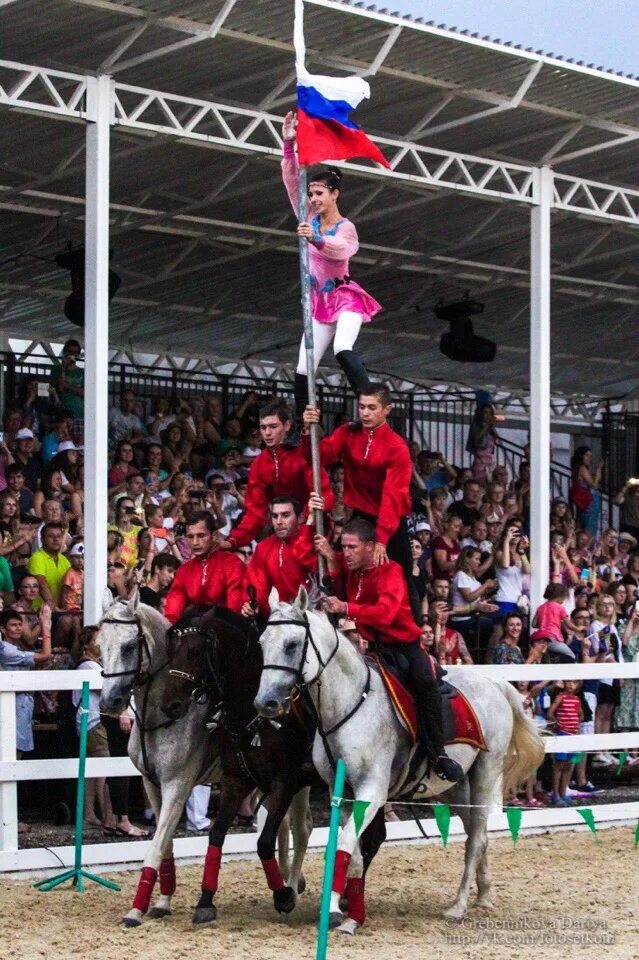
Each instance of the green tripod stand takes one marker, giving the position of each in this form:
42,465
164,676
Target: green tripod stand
78,874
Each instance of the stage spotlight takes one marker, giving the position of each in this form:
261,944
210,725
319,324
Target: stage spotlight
461,343
73,260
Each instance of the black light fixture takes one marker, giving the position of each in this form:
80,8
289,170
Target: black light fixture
461,343
73,260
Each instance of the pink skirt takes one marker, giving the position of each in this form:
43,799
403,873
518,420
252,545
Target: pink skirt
348,296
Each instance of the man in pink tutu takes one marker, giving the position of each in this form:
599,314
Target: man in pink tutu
339,305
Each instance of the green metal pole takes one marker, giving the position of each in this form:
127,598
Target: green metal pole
307,314
77,874
329,863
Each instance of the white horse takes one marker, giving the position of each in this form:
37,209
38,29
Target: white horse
172,756
301,648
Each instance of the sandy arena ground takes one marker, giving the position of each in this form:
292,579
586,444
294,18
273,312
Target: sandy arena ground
557,896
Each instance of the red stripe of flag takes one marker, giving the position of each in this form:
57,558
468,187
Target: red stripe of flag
322,140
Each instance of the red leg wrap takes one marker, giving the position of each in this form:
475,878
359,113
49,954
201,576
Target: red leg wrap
273,875
342,860
146,883
212,869
167,877
355,895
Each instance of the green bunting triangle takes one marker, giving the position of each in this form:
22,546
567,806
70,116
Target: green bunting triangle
359,812
623,756
637,835
578,757
513,816
442,819
589,820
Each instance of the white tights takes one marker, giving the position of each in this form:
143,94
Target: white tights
343,333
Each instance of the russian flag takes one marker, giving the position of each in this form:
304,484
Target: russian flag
325,130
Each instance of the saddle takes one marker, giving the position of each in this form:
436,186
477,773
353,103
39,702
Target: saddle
459,721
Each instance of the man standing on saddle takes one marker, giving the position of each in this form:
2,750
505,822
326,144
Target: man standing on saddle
210,577
286,558
377,602
377,475
280,469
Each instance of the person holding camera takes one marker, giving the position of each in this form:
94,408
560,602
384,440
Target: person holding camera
628,500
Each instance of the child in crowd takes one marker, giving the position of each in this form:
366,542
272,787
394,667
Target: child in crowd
552,616
567,712
525,688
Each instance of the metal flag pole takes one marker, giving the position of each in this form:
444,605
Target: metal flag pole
307,314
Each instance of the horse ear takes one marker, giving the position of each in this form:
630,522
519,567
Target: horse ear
134,601
273,598
301,600
107,601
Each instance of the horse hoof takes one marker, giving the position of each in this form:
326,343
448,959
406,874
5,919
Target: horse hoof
485,904
349,927
335,920
204,915
301,884
284,900
156,913
130,922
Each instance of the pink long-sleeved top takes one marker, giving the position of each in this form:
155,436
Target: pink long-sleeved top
332,290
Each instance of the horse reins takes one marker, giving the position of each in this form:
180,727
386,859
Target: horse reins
304,686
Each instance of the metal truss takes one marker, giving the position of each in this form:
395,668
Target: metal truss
43,90
256,131
595,199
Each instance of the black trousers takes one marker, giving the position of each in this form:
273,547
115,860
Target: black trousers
398,549
422,683
118,747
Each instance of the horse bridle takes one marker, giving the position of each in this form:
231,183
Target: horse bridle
142,648
199,694
305,685
308,639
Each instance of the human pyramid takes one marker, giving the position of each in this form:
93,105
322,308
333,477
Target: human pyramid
366,603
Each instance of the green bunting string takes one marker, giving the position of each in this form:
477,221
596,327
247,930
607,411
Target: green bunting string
513,816
623,756
589,819
442,819
359,812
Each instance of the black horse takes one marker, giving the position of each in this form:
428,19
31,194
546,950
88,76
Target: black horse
217,655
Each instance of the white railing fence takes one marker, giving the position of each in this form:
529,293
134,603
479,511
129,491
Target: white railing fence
13,771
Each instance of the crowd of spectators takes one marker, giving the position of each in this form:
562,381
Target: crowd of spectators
469,539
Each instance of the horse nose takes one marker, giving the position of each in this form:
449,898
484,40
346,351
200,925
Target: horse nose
266,707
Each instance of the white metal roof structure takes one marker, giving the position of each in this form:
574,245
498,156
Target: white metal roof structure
200,230
513,175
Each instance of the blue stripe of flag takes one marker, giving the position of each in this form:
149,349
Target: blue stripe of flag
316,105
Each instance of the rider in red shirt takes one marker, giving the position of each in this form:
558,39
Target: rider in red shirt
210,577
286,558
377,602
280,469
377,475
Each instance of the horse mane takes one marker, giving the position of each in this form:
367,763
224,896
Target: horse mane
218,617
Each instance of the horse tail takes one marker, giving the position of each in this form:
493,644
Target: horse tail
525,752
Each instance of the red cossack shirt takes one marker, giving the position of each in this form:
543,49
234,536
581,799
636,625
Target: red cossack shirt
283,564
218,579
378,603
377,472
274,472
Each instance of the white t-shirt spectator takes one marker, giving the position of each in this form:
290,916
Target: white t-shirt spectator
464,581
94,698
122,425
511,581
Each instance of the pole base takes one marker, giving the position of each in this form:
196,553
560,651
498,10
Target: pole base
77,875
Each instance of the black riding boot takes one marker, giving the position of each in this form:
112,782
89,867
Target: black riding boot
430,710
355,371
424,688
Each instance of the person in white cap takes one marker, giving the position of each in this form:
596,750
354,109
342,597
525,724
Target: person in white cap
24,454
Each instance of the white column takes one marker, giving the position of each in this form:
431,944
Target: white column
8,789
540,386
96,344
